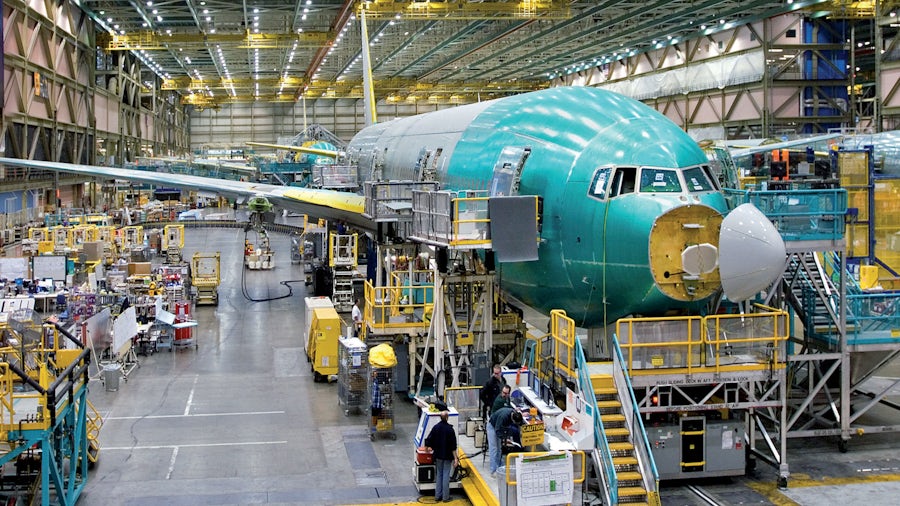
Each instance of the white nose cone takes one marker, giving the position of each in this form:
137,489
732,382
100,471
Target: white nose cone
751,253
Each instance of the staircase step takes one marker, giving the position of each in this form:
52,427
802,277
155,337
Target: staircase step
621,447
629,476
631,491
609,404
624,461
605,391
602,381
616,432
612,418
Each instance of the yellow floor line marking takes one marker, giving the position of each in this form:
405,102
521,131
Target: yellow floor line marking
770,491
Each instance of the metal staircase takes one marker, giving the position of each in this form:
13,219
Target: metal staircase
618,439
94,424
811,293
621,452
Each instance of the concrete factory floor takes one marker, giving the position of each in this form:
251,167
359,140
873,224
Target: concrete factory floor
239,420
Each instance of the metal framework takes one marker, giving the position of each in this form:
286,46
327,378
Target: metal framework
44,413
66,103
448,41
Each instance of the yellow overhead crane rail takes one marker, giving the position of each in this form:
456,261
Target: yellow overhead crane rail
864,9
393,90
149,40
187,83
466,9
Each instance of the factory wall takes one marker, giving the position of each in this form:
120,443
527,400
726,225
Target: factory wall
779,76
233,124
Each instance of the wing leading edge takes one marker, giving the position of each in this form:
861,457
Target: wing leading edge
327,204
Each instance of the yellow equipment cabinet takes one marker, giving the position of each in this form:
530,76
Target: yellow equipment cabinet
205,277
323,330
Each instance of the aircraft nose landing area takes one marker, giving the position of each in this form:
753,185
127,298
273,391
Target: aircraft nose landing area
683,252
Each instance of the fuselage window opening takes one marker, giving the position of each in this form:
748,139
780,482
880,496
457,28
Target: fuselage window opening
699,179
711,175
598,185
659,181
623,181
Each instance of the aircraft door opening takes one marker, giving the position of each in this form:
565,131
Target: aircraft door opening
422,164
508,171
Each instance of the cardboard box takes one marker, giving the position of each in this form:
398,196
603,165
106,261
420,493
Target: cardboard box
93,250
138,268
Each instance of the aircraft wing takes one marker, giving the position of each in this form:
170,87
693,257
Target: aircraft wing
224,165
301,149
762,148
328,204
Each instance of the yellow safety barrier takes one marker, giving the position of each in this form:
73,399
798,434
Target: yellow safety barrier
562,330
577,454
694,344
383,303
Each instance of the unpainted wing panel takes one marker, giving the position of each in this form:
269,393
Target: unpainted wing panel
327,204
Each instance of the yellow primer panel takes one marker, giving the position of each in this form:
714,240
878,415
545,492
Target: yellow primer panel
337,200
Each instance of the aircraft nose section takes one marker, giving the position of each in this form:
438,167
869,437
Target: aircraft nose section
683,252
751,253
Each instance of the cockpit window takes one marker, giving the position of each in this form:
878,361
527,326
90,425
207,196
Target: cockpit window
601,179
659,181
622,181
698,180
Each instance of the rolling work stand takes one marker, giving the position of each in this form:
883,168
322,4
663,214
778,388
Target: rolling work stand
381,403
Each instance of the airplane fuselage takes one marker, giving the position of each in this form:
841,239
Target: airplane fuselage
595,252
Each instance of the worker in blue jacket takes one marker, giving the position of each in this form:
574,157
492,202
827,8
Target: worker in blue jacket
442,441
501,424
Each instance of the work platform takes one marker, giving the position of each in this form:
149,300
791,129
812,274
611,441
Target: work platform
846,333
49,427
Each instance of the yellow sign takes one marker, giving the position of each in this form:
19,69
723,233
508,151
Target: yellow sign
656,360
533,434
465,339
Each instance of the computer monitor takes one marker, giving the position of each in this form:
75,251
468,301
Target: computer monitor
546,393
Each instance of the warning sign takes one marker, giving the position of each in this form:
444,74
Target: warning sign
533,434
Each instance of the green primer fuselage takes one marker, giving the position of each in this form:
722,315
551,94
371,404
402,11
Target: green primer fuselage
594,253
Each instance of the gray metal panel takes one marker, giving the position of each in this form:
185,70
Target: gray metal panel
725,451
513,228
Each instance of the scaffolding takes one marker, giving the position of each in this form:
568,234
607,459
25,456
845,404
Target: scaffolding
343,263
50,427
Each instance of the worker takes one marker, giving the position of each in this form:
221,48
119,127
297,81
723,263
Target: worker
356,315
376,404
502,424
491,390
502,400
442,442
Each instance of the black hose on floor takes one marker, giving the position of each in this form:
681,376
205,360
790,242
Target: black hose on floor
286,283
